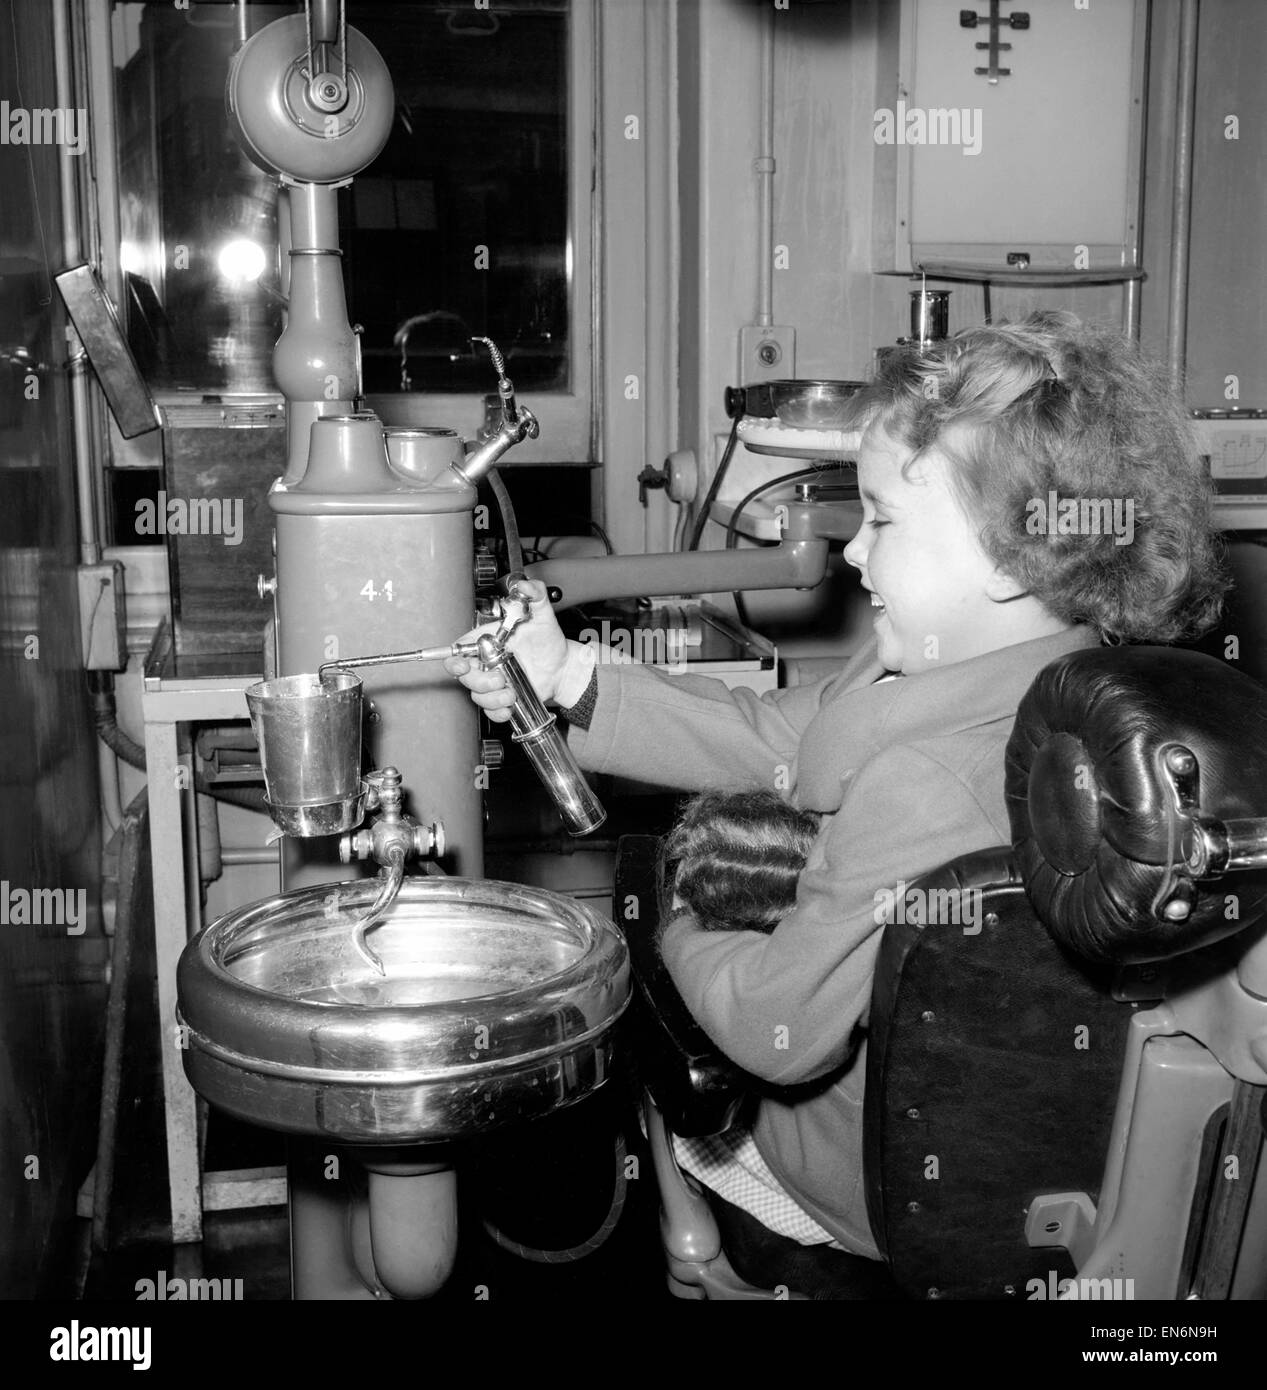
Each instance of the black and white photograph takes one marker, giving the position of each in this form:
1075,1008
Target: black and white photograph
632,653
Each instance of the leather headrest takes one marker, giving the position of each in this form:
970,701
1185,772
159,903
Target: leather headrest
1093,816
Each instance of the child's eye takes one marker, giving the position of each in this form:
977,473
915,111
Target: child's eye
877,522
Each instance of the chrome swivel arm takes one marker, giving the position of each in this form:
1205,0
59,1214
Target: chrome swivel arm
534,727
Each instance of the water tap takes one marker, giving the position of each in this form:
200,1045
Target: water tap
391,828
390,840
517,423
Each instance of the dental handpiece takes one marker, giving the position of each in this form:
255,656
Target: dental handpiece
534,728
538,734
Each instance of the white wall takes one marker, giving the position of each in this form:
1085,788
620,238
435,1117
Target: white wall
827,68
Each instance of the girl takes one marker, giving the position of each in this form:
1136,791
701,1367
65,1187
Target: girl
998,473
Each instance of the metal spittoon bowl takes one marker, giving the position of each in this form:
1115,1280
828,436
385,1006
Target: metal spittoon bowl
803,404
498,1006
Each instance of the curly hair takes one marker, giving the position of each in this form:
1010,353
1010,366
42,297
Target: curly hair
1052,408
734,859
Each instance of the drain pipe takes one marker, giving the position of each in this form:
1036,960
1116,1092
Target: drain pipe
1181,205
111,797
72,254
80,394
1131,288
764,165
411,1221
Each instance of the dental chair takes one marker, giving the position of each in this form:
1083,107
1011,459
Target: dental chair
1088,1070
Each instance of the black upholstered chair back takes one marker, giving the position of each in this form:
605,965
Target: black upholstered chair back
992,1072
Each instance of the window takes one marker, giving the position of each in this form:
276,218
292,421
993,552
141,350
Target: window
475,219
468,203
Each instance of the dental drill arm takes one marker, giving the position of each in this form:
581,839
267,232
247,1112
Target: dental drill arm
790,565
799,561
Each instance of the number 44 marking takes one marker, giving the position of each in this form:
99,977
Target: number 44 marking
371,593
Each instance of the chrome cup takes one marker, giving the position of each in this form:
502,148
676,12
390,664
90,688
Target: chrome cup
309,733
930,316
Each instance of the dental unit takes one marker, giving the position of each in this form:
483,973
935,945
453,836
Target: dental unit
373,541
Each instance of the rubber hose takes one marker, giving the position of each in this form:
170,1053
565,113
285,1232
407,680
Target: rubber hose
510,525
127,748
711,496
587,1247
118,742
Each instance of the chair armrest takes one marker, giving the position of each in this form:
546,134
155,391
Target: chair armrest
698,1089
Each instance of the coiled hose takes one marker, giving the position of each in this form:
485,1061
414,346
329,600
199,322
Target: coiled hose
105,718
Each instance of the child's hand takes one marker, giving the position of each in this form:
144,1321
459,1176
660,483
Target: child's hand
546,656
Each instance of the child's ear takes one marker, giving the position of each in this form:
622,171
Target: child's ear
1000,587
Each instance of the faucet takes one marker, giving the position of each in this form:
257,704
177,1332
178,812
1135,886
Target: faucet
517,424
389,841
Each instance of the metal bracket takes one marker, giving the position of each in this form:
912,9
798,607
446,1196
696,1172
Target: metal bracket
1065,1219
969,19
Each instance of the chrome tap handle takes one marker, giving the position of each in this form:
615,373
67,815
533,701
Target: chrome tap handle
516,609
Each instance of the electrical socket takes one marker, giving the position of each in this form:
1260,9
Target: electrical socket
766,354
102,617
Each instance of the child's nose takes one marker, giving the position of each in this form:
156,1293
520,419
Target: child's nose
856,550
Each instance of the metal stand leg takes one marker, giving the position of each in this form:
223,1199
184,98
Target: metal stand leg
132,863
167,793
